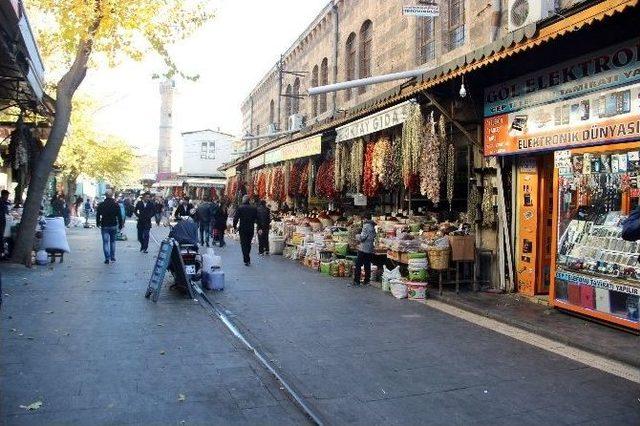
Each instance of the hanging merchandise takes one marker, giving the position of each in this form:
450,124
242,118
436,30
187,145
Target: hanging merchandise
431,171
382,163
395,169
303,184
370,185
338,167
277,186
472,204
261,187
294,179
451,160
488,213
356,166
412,136
324,180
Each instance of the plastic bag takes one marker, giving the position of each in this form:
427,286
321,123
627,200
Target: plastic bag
398,289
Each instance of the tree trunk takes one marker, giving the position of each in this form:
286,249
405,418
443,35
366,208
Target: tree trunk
44,164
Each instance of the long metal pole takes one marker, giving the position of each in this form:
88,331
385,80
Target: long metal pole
404,75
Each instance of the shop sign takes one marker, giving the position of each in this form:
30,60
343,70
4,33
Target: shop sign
302,148
256,161
273,156
602,117
614,66
374,123
230,172
423,10
596,282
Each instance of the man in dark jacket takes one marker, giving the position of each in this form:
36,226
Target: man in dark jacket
109,219
264,223
220,224
184,209
366,248
145,211
204,216
247,216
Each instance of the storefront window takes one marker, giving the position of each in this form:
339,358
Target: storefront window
596,269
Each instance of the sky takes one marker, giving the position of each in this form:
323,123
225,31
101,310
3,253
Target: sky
231,54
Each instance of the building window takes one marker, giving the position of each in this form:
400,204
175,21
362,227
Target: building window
271,112
296,96
426,40
208,151
350,55
288,105
324,80
456,24
314,99
366,41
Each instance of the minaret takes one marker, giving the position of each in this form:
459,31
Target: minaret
167,88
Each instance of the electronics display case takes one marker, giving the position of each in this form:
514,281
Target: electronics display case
597,273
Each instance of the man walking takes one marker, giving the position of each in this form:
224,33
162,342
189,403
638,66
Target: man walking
110,221
220,224
204,216
264,223
159,206
145,211
247,216
365,251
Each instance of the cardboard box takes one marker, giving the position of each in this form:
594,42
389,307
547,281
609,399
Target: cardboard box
463,247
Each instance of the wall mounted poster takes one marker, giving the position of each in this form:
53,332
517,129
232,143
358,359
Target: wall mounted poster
527,240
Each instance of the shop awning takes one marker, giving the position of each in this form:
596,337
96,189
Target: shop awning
167,184
206,182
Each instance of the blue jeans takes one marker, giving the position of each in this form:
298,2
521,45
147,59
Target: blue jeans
109,242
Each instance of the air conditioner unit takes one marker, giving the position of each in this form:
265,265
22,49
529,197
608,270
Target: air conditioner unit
296,122
271,129
525,12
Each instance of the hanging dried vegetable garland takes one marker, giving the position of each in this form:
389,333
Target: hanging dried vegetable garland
324,180
451,168
370,186
412,135
431,172
472,203
382,161
488,213
338,167
278,191
303,184
356,165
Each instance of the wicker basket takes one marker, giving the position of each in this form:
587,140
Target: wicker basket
439,258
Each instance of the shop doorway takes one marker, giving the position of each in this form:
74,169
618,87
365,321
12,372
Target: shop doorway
534,223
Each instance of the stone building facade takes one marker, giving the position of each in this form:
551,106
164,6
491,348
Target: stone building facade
352,39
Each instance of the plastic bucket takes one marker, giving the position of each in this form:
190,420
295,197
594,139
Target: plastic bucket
416,291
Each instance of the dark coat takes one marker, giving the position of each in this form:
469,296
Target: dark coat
109,214
247,215
204,212
145,214
264,217
220,220
183,210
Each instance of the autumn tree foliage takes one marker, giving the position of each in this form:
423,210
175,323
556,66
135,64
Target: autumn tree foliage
75,35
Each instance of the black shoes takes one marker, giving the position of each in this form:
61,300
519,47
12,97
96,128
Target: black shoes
113,259
106,262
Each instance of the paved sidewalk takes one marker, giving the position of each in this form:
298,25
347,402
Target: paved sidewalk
551,323
361,357
81,338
